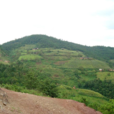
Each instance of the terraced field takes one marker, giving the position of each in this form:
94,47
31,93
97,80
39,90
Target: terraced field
61,58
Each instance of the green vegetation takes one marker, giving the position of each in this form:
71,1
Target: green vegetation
92,99
106,76
43,65
42,41
44,82
3,56
29,57
105,87
75,63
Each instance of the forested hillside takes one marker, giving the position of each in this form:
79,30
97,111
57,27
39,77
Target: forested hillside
43,41
3,56
44,65
42,81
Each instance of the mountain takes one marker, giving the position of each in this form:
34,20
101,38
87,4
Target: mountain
43,41
46,66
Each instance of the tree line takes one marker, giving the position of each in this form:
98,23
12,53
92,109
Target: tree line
105,87
17,74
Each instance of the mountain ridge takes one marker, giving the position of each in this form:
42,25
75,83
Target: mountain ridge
43,41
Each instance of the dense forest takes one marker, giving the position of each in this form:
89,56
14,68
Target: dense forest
18,75
105,87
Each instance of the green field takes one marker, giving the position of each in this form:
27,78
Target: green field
106,75
77,94
62,58
29,57
75,63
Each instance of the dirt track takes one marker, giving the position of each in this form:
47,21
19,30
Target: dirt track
22,103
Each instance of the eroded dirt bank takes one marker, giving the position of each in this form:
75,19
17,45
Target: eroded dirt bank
23,103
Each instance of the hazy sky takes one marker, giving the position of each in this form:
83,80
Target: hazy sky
87,22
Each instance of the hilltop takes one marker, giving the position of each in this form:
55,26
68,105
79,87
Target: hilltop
43,41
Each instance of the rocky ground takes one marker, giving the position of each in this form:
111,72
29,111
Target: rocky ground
23,103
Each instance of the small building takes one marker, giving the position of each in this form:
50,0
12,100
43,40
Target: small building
100,70
35,48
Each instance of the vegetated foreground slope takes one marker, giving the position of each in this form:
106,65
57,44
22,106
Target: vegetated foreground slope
30,104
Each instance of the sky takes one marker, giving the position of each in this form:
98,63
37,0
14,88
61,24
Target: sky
86,22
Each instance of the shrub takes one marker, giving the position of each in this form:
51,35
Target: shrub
49,88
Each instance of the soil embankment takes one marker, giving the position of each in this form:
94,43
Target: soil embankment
23,103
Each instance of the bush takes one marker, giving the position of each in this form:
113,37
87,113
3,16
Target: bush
49,88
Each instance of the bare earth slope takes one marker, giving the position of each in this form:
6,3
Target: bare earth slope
23,103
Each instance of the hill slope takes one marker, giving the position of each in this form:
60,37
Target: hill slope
38,60
43,41
31,104
3,56
61,58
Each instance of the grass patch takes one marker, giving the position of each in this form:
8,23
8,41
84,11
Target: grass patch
76,63
29,57
106,75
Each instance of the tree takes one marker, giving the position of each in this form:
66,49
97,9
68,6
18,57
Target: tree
31,80
49,88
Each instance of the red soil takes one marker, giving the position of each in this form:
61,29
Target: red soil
23,103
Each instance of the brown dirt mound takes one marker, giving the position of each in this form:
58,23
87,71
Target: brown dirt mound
60,62
23,103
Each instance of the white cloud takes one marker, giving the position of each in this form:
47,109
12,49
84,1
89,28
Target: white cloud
78,21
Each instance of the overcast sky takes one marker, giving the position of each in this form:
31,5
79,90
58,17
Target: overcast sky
86,22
